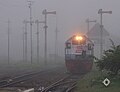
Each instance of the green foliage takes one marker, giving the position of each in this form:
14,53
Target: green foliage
111,59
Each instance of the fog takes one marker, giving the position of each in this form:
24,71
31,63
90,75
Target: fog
71,15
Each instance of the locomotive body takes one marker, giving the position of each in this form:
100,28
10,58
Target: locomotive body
79,54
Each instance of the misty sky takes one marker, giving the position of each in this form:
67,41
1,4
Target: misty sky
71,14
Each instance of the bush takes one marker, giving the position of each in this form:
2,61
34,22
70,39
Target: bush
110,60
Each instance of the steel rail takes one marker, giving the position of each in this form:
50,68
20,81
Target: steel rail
54,84
22,78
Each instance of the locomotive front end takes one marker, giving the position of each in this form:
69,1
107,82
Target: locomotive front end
78,54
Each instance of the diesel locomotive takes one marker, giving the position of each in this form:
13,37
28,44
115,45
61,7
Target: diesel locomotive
79,51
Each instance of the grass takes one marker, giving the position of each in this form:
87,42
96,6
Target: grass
92,82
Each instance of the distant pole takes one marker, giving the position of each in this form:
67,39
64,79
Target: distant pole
26,49
37,22
8,42
101,33
45,50
37,42
56,39
30,6
23,45
101,12
26,42
25,38
88,23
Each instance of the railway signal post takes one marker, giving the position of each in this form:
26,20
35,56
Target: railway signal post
45,12
101,12
38,22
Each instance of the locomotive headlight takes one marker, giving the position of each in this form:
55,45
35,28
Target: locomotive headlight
79,38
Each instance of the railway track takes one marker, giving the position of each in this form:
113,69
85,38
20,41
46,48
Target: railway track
66,84
18,79
63,84
22,78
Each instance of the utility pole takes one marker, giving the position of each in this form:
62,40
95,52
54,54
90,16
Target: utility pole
25,37
56,39
101,12
30,6
37,22
23,45
45,12
26,50
88,23
8,42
